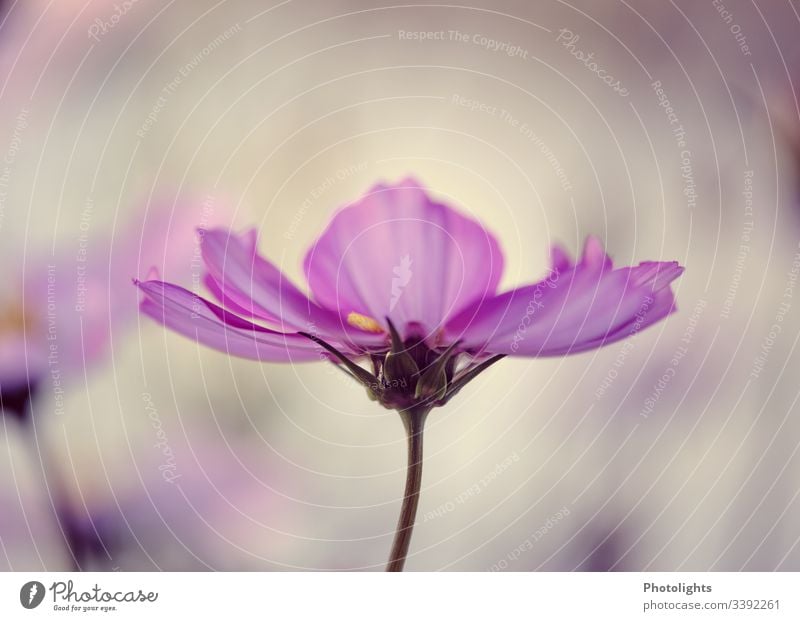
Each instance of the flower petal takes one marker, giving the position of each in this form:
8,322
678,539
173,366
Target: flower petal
653,309
584,307
245,281
397,253
594,255
560,259
192,316
224,299
251,282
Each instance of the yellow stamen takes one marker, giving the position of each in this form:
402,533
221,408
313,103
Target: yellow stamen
368,324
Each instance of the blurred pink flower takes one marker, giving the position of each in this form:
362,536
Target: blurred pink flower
57,319
220,509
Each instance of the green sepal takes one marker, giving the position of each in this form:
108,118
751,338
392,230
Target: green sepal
362,375
432,384
398,364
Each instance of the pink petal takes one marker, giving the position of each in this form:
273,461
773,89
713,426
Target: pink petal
397,253
560,259
584,307
192,316
249,283
224,299
594,255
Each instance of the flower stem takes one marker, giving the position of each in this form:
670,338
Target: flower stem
414,422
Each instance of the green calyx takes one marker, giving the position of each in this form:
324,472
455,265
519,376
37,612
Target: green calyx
398,365
433,382
409,376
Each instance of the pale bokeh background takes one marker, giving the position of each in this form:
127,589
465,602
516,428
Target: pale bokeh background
280,115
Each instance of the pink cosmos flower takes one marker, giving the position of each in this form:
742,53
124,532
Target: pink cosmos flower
397,259
409,285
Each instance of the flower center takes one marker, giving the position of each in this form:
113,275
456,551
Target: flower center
362,322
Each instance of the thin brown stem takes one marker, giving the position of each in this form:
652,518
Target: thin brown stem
414,422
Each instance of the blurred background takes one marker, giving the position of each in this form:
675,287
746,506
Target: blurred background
670,130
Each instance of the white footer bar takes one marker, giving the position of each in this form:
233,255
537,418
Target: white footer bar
386,597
